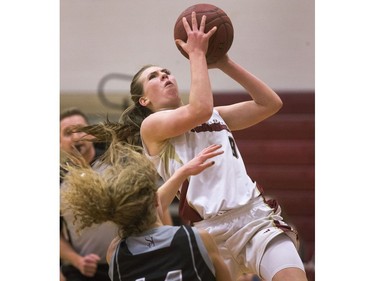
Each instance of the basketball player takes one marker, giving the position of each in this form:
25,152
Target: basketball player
125,192
250,233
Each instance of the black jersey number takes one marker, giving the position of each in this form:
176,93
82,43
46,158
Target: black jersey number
233,146
175,275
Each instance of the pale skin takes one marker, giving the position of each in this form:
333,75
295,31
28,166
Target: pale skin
165,195
72,142
161,93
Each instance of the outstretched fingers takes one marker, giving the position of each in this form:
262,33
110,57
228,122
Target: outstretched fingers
211,31
203,23
200,163
210,152
186,25
211,149
194,23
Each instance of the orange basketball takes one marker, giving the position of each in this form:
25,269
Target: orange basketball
220,42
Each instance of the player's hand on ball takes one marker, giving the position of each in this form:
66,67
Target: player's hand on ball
197,39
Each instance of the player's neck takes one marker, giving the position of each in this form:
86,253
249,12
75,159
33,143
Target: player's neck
157,223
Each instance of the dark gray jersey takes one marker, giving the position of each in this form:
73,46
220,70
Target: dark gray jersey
164,253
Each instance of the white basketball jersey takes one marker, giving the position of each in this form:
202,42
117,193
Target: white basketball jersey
222,187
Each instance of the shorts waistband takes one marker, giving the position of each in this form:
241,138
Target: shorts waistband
224,216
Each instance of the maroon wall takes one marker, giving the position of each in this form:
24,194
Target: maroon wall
279,154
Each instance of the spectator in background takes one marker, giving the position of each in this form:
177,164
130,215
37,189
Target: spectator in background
82,255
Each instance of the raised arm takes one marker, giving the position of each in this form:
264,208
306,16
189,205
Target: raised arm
181,118
263,104
196,46
195,166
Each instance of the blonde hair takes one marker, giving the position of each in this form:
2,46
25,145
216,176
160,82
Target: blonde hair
121,188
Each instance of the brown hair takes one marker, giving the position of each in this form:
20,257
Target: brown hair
72,111
128,128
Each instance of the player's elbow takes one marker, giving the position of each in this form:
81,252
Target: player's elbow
201,113
278,104
204,114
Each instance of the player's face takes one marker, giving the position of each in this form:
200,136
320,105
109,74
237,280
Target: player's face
70,142
160,89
